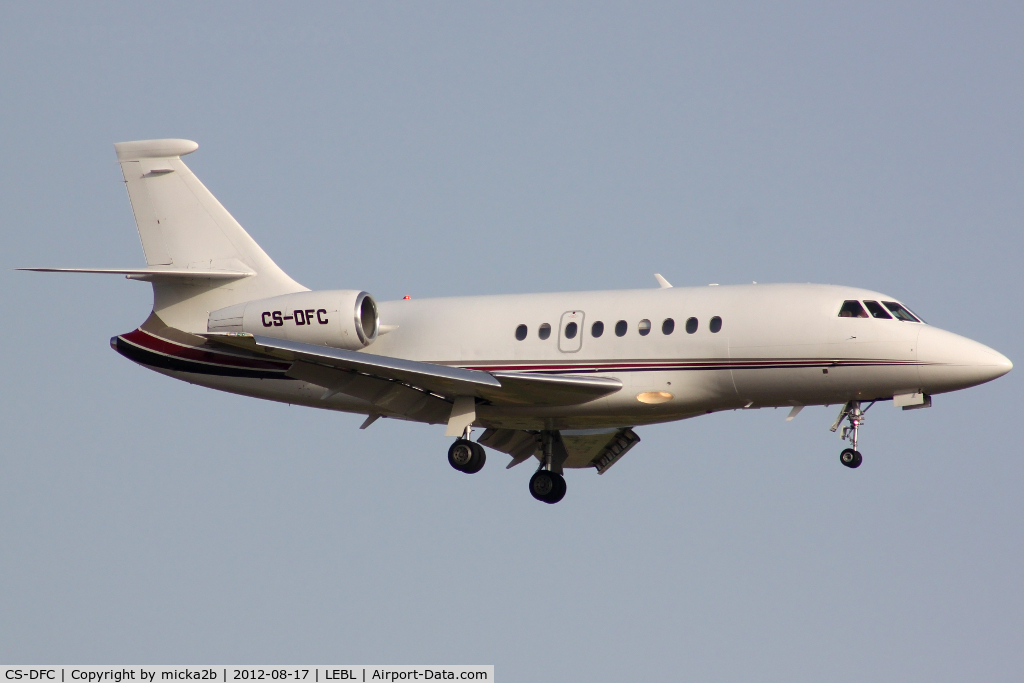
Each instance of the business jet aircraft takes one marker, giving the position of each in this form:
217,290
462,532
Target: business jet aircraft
562,378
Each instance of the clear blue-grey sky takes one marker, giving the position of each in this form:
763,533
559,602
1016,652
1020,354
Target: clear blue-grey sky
452,149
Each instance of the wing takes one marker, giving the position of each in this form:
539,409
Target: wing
334,368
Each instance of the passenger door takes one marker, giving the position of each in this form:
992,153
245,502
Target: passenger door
570,332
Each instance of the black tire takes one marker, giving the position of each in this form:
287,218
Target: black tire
477,462
850,458
559,492
461,455
542,483
547,487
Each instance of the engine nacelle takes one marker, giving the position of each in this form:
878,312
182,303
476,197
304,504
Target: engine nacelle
343,319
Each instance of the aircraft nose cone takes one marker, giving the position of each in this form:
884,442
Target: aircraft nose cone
951,362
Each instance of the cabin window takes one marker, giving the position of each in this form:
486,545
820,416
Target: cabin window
644,327
620,328
521,332
716,324
570,330
597,329
877,311
669,326
852,309
544,331
691,326
900,312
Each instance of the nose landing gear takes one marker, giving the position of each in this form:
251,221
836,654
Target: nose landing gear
851,457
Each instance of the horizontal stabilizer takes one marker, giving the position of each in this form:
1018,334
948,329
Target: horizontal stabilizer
154,274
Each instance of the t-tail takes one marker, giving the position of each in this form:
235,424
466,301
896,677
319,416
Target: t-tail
198,258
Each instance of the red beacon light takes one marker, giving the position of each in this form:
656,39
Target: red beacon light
406,297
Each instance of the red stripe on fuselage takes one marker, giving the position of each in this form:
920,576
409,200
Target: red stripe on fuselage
163,346
709,364
156,344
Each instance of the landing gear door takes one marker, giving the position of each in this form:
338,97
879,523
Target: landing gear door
570,332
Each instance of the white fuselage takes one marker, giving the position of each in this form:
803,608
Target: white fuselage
778,345
561,377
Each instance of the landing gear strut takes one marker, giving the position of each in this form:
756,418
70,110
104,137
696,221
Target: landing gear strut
851,457
547,484
466,456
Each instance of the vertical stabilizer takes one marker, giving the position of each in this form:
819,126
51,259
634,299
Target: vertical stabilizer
183,226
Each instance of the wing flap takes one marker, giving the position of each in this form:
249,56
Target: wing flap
392,397
518,443
598,448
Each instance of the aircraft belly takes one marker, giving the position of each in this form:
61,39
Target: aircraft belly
676,394
814,386
281,390
871,381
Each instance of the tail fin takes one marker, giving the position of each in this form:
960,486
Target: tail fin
184,227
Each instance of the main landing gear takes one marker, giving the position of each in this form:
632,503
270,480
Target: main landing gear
466,456
851,457
547,484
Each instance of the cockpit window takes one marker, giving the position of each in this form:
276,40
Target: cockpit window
876,310
900,312
852,309
915,315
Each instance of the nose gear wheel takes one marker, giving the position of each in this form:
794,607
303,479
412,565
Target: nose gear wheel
853,413
850,458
